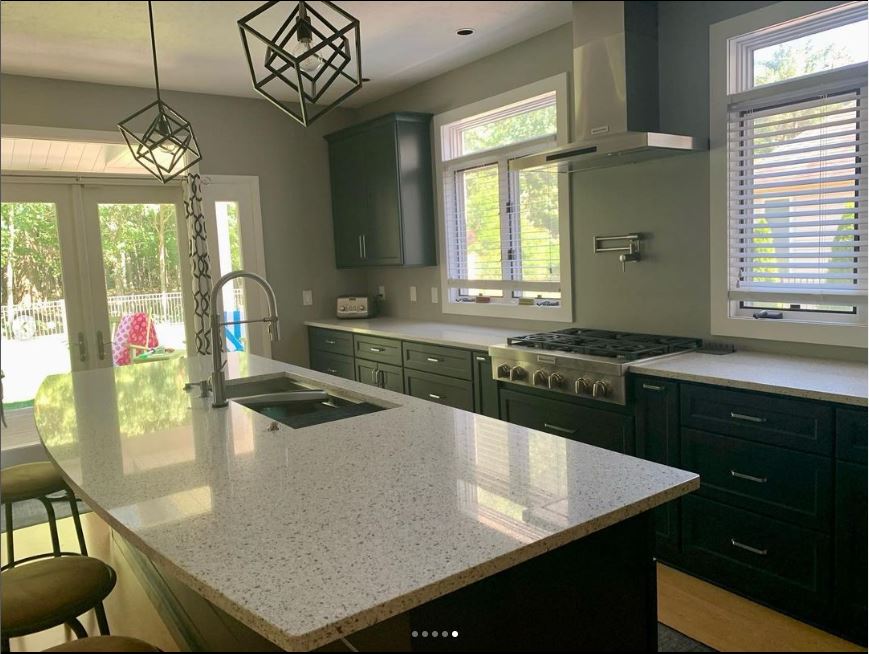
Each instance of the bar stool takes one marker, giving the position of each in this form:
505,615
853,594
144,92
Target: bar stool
43,594
104,644
37,481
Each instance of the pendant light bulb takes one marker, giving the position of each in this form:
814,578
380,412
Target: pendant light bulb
163,130
304,42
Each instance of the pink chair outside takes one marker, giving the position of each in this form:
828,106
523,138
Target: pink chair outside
135,332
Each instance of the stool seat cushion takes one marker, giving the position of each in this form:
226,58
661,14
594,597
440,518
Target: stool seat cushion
104,644
29,480
42,594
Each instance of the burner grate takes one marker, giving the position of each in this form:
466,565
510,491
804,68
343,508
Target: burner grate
623,346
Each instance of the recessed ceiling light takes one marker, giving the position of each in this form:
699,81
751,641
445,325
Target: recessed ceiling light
465,31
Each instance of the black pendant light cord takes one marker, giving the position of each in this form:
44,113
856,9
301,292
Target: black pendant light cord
154,50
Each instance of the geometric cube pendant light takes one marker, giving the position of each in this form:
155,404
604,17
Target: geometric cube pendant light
160,138
304,57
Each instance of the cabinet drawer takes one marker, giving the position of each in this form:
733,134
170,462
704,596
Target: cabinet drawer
775,420
786,566
771,480
456,393
606,429
329,340
851,435
440,360
381,375
373,348
333,364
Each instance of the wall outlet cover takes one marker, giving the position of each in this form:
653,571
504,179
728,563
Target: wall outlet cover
381,291
413,293
435,294
307,298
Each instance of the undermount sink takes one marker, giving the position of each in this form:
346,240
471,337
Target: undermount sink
287,401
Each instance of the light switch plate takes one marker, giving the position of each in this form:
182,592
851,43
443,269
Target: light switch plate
307,298
435,294
413,293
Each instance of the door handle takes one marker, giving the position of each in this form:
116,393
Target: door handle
433,359
377,349
481,359
563,430
101,346
359,239
748,548
740,475
364,248
435,397
381,378
374,376
82,347
653,387
331,371
329,341
742,416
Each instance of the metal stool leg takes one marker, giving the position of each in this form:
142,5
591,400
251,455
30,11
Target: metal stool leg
77,628
10,544
52,525
73,505
102,622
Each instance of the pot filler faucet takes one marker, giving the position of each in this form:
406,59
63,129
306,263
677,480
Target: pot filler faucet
218,380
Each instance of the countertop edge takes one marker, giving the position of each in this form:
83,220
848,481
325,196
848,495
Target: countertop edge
804,393
375,614
407,337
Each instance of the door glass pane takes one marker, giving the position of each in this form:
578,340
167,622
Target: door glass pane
229,249
143,281
33,325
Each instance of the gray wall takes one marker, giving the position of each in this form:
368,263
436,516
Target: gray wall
237,136
668,292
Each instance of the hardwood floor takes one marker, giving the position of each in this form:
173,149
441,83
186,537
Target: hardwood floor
713,616
730,623
129,611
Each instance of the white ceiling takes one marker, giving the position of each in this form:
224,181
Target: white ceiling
199,49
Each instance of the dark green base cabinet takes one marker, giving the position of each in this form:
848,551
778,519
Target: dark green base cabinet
781,513
610,430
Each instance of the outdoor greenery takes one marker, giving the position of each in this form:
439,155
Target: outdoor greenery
30,253
533,199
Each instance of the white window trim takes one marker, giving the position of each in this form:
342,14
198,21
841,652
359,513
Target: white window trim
564,312
722,323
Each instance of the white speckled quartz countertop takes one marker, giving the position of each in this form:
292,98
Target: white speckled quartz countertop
437,333
306,535
817,379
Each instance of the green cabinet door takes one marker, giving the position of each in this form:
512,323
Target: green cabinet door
852,507
485,386
381,228
657,416
349,197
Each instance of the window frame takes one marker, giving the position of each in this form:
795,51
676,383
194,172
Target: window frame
558,84
729,49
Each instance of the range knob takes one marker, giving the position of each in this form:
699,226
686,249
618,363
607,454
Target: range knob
582,386
600,389
556,380
503,370
540,378
517,372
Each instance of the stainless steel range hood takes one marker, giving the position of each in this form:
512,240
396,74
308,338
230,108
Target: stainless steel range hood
615,83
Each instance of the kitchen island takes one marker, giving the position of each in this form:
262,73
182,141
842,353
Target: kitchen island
425,517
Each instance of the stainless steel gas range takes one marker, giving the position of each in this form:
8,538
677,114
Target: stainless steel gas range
589,363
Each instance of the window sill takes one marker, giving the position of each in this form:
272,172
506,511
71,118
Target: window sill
510,311
791,331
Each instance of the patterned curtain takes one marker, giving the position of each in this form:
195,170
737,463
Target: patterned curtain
198,261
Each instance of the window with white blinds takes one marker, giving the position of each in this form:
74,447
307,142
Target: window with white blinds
797,202
502,229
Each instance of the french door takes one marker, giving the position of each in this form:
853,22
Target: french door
85,267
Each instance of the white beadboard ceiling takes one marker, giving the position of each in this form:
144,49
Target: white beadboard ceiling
199,49
66,156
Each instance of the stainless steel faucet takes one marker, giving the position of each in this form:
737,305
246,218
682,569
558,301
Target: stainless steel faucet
218,381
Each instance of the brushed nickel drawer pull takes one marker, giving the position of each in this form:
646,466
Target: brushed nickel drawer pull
434,397
481,359
748,548
329,341
433,359
377,349
742,416
740,475
653,387
563,430
331,371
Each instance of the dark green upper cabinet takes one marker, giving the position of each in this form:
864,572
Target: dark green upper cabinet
382,205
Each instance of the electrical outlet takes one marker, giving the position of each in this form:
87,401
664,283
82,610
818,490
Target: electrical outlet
413,293
381,291
435,294
307,298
